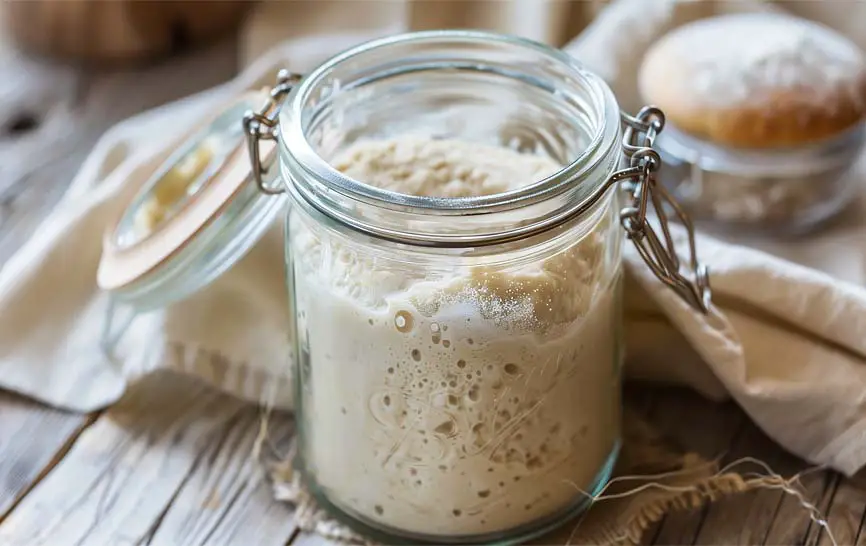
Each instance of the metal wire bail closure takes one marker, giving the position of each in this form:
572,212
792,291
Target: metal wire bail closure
639,180
262,125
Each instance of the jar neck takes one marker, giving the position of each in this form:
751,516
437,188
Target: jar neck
476,86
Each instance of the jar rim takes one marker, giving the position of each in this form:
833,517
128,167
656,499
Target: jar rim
294,143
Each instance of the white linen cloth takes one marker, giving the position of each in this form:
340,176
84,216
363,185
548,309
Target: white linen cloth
785,340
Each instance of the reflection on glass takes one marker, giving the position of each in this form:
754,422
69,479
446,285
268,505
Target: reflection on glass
177,184
184,175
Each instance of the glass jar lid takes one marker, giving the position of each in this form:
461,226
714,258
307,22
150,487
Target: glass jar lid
194,217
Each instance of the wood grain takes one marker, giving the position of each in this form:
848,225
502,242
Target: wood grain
700,426
791,524
846,513
754,510
49,119
32,437
831,482
227,500
123,473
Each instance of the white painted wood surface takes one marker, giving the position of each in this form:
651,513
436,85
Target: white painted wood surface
32,438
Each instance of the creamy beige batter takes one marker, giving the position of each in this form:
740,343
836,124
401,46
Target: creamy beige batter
459,403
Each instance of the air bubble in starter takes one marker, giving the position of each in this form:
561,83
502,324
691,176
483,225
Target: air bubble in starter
436,336
404,321
512,369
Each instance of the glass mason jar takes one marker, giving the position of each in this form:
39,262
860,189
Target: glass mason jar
457,206
458,358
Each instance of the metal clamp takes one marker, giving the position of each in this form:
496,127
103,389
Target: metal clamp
639,180
262,125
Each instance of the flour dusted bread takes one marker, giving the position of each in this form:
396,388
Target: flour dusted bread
756,80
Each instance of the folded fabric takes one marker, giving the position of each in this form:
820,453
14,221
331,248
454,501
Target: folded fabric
784,341
788,343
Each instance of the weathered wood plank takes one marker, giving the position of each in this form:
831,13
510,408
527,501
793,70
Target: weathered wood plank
227,499
643,398
846,514
32,439
125,470
814,531
697,425
791,524
747,518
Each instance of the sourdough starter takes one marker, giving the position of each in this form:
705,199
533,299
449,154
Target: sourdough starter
461,404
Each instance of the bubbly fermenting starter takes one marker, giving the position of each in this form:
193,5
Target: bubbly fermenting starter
456,402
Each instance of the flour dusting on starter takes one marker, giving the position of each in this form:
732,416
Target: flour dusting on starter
765,54
458,403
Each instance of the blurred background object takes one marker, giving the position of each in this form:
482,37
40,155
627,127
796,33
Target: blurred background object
555,22
118,31
551,21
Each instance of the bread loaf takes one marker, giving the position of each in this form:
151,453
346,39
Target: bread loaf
756,80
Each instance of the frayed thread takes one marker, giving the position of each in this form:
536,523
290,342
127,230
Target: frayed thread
722,483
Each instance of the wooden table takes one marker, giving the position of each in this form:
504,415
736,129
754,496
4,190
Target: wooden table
173,465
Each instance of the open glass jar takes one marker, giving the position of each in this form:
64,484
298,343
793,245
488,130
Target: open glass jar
459,358
457,369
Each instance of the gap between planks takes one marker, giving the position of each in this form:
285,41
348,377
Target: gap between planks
33,439
762,516
169,464
697,425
